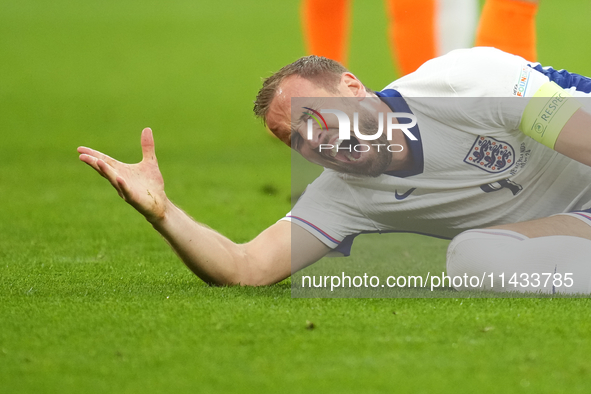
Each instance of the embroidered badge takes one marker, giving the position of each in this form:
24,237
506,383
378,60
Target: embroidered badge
491,155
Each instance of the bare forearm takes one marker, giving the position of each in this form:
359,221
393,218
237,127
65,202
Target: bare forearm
210,255
213,257
574,140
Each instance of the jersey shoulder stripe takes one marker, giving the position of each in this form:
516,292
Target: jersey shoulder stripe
565,79
335,241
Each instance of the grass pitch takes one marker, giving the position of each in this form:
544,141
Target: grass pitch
92,300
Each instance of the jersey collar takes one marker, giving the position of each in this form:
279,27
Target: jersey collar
396,103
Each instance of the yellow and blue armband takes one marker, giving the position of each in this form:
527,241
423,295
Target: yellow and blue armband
544,119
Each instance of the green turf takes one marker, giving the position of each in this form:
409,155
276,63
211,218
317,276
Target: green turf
93,301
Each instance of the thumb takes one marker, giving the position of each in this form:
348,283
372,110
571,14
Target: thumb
148,152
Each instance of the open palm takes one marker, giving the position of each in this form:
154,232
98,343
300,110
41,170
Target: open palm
140,184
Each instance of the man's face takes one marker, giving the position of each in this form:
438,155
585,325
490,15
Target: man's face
287,118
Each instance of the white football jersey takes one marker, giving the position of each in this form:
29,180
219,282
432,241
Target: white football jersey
473,167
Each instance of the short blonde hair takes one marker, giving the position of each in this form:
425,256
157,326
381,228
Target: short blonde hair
323,72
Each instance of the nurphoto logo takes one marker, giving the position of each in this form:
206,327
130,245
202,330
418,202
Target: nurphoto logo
390,118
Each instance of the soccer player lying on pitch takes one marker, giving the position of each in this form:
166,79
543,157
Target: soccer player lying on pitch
524,214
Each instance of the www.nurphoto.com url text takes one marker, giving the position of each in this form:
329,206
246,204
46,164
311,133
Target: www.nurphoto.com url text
485,281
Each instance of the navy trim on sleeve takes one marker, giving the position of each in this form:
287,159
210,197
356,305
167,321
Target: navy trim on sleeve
345,246
564,79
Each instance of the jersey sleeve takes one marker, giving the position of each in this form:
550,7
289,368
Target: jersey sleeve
491,86
482,89
329,211
489,72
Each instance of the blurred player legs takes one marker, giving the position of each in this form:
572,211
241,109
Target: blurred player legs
326,26
420,30
509,25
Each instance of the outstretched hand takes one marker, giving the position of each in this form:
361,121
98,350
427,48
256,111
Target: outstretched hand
141,184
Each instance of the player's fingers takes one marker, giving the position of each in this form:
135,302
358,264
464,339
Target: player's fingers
95,153
148,151
92,161
124,188
110,174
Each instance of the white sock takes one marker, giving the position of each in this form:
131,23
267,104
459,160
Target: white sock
542,264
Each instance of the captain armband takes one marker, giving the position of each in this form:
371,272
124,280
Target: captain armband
547,112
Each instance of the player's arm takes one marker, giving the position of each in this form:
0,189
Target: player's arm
214,258
549,114
574,140
557,120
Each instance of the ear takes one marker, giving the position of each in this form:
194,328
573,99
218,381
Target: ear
352,85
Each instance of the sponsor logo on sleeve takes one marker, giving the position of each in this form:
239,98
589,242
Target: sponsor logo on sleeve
521,86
